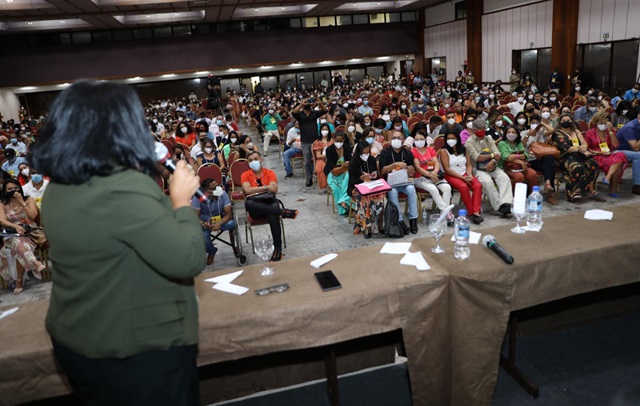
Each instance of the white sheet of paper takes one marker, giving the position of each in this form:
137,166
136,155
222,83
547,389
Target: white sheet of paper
373,184
231,288
317,263
598,214
416,259
9,312
228,278
474,237
395,248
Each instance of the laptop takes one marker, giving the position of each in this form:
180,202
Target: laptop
399,178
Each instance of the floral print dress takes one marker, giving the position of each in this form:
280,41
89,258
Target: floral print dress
20,247
579,170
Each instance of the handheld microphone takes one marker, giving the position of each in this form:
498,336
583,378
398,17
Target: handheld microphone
164,157
490,242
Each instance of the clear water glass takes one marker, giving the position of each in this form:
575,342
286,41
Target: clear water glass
519,217
437,230
263,247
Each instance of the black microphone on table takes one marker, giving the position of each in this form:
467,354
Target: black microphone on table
164,157
490,242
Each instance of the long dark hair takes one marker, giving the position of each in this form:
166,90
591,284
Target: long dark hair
459,147
5,197
94,112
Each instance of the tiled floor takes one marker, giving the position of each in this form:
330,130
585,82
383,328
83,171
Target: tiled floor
317,230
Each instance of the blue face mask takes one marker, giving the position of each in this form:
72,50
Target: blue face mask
370,140
37,178
219,122
378,130
255,165
366,102
14,141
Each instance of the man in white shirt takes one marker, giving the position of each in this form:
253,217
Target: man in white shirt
517,106
365,110
35,187
17,145
295,147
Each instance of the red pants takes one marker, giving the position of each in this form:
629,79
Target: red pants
472,203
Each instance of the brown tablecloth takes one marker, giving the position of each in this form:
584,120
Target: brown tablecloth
378,296
569,256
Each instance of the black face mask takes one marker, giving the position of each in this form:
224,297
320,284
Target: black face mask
12,193
530,110
565,124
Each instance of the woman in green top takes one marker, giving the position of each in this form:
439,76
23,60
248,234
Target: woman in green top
515,159
123,315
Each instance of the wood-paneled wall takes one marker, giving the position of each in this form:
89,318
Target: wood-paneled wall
448,40
512,29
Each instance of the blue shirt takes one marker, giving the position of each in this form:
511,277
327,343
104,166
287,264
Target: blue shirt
12,168
630,132
584,114
211,208
630,95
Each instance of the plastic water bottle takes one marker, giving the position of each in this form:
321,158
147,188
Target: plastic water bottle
425,216
461,229
534,209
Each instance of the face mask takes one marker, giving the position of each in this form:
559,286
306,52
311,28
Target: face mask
37,178
534,126
378,130
398,127
480,133
324,133
469,124
531,110
624,112
545,115
12,193
338,144
521,121
447,105
366,102
255,165
478,98
345,105
208,150
578,89
351,129
592,108
179,118
459,100
217,192
498,123
553,111
323,121
298,130
234,140
25,172
448,89
433,100
492,96
451,121
404,106
602,127
553,98
370,140
184,130
420,143
364,157
520,99
14,141
635,90
270,111
590,92
565,124
155,121
396,144
452,143
250,145
367,123
530,97
513,72
512,136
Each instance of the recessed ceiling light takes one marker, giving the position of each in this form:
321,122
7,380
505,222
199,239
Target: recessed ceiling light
135,78
28,88
30,23
61,21
266,67
148,16
64,84
233,69
202,72
168,75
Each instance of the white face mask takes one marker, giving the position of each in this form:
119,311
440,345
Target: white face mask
546,115
208,150
217,192
470,124
155,121
511,136
184,130
590,92
364,157
578,89
338,144
624,112
345,105
452,143
534,126
270,111
602,127
398,127
250,145
451,121
530,97
324,133
351,129
553,98
396,144
323,121
420,143
520,99
25,172
592,108
498,123
521,121
492,96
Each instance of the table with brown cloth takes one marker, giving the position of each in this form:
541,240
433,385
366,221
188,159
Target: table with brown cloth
378,295
569,256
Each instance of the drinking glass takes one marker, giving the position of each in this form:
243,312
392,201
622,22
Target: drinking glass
264,250
437,229
519,215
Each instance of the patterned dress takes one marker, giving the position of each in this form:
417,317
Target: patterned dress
579,170
20,248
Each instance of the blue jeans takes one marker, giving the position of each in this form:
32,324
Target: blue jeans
287,158
410,191
634,158
208,244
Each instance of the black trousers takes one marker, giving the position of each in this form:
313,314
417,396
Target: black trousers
272,213
546,165
151,378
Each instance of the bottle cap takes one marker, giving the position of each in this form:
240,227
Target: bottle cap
462,213
536,188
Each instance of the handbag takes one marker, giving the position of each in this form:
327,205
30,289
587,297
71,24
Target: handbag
512,166
265,197
36,235
542,149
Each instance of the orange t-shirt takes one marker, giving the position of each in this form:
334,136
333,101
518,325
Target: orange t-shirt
268,176
188,139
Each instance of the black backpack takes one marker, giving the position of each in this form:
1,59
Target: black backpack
391,220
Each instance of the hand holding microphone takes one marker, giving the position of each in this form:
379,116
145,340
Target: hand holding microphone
185,182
